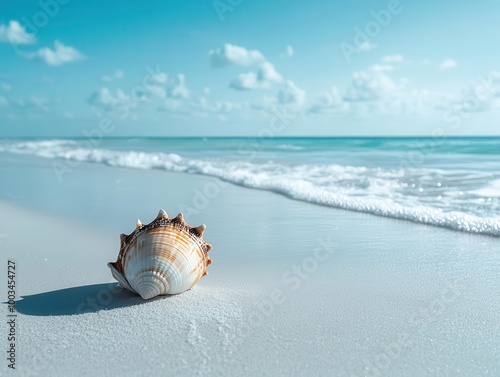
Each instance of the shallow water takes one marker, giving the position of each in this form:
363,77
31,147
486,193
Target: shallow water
448,182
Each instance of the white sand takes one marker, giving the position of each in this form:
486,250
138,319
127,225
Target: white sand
389,298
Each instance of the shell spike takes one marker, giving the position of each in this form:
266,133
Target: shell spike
123,237
200,229
180,217
209,247
162,215
139,224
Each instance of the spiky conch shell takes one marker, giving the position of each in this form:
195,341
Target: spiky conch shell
166,256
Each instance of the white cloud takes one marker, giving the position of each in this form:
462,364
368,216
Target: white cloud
366,46
157,90
60,55
5,86
165,94
375,91
480,96
31,106
33,103
160,78
448,64
290,94
264,78
203,106
267,73
234,55
166,87
420,101
333,97
368,86
173,106
115,76
177,88
392,59
16,34
246,81
330,101
104,97
381,68
104,100
200,107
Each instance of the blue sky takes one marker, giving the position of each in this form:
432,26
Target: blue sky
230,67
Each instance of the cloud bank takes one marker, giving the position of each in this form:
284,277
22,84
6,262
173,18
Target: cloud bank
16,34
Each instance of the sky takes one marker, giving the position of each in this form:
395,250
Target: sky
249,68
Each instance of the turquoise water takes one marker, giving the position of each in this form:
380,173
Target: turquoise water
448,182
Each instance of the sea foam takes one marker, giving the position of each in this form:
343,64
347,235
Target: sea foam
460,200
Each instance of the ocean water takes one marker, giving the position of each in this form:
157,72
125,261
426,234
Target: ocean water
447,182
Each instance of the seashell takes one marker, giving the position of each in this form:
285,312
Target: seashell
166,256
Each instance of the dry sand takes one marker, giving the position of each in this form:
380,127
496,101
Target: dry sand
295,289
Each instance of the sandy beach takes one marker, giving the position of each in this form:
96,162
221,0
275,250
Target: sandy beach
336,165
294,288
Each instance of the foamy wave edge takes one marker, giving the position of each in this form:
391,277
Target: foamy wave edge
240,173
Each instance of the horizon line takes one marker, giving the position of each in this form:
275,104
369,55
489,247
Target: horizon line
258,137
